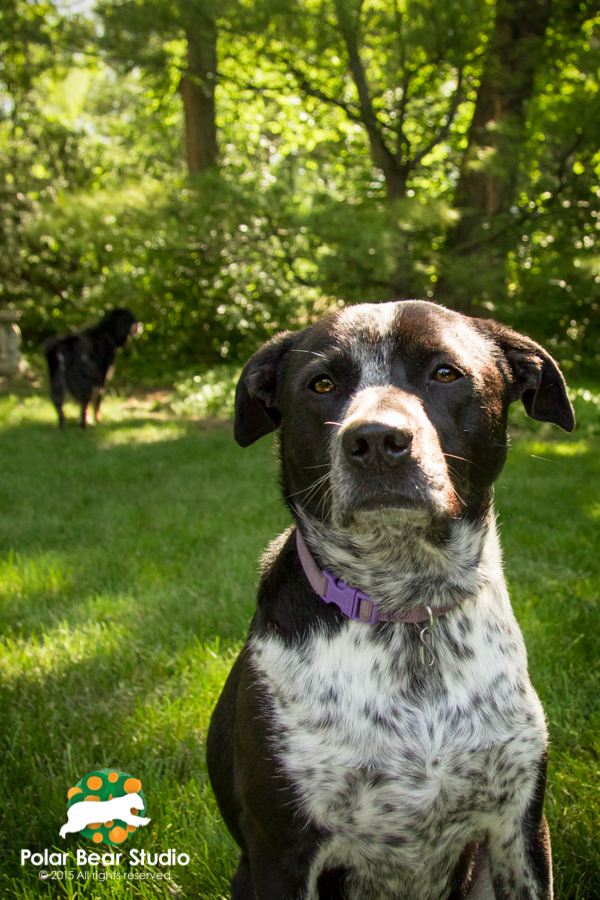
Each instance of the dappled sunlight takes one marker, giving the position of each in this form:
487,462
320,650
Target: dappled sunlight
15,411
22,577
32,590
124,421
554,448
179,709
145,433
231,173
94,628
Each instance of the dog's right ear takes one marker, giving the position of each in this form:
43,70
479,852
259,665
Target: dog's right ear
257,394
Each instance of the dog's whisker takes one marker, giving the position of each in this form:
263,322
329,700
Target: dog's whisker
459,498
327,496
318,485
316,353
310,496
311,487
297,493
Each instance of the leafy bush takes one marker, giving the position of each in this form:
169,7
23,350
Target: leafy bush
209,395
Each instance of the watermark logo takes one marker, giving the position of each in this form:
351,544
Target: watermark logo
106,806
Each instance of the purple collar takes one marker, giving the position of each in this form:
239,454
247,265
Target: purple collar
354,603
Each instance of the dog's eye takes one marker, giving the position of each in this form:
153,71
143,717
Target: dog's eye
322,385
446,374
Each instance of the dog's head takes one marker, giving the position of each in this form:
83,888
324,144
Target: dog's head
120,324
399,407
134,801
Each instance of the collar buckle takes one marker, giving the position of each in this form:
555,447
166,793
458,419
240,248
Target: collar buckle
352,602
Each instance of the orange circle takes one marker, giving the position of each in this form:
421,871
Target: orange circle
109,824
118,834
131,828
97,838
72,791
134,812
94,783
113,776
92,797
95,825
132,785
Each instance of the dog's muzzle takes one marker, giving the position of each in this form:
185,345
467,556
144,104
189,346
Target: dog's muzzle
387,455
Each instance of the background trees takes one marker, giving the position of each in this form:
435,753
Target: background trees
231,169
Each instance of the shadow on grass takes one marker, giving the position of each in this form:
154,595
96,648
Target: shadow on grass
126,704
124,565
117,515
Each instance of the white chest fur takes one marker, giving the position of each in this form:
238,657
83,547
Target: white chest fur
398,763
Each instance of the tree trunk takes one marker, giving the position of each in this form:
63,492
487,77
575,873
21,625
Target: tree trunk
197,88
390,163
383,157
488,177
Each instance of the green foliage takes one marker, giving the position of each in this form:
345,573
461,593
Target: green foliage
210,394
96,210
553,284
203,268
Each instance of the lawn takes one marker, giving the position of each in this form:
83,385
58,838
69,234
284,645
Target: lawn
128,556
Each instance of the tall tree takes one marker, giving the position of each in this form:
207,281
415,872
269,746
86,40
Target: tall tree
486,187
490,164
137,34
398,70
197,88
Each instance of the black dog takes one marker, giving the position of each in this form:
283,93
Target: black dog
80,364
383,740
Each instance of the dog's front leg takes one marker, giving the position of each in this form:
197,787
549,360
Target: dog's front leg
520,857
280,847
265,875
521,866
242,886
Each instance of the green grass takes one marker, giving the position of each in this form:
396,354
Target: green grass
127,564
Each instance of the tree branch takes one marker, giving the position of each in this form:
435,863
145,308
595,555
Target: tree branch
312,91
382,155
445,129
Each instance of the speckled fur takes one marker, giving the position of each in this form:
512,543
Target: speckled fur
401,559
402,765
393,772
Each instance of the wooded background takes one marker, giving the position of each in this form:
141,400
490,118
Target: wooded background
228,169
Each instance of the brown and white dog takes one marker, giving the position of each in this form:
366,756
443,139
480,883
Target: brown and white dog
378,737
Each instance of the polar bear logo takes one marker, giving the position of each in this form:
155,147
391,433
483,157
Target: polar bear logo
82,814
116,810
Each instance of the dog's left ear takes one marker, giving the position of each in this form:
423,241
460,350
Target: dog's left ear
536,377
257,394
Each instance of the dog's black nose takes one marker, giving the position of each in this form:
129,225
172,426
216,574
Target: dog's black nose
371,443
